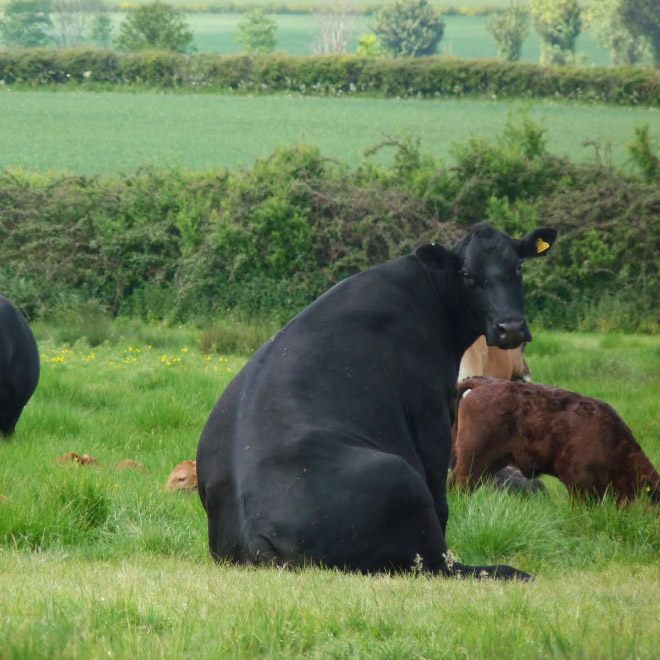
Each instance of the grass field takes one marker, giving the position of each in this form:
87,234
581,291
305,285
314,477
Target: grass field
97,562
297,34
87,132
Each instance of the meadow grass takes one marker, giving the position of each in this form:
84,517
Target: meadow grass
100,562
92,132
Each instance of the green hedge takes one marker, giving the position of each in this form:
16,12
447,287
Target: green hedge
266,241
329,75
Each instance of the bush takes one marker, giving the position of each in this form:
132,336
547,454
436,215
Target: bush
265,241
336,75
154,26
409,28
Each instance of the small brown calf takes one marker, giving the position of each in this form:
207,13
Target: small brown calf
183,476
547,430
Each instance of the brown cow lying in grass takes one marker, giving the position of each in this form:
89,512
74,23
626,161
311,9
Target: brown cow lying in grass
546,430
183,477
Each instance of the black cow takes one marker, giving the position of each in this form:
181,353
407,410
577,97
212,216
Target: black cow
19,365
331,446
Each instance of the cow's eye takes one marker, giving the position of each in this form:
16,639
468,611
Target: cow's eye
519,270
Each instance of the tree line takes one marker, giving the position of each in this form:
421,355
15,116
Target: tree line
628,29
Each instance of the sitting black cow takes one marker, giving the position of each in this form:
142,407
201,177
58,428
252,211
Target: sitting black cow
332,444
19,365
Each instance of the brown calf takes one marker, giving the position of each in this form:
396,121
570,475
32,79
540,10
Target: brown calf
546,430
183,477
493,362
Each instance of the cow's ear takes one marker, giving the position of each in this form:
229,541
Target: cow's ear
537,243
435,256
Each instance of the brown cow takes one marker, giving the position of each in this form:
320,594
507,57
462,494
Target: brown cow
183,477
547,430
493,362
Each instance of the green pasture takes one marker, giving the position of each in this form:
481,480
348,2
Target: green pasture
89,132
97,562
298,34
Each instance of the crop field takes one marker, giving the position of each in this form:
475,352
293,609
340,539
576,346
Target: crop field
89,132
98,562
298,34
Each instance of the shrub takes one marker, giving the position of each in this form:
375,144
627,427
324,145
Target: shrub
154,26
510,27
409,28
256,32
265,241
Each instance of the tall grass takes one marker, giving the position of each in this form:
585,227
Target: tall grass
101,562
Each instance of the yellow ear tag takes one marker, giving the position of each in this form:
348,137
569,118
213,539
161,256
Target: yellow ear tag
541,245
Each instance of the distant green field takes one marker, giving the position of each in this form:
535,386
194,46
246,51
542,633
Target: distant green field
90,132
297,34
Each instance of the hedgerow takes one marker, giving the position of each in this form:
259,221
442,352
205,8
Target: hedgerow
265,241
334,75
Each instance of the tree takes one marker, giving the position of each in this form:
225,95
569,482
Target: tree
100,29
642,18
409,28
335,29
558,23
26,24
256,32
155,25
510,28
606,22
71,19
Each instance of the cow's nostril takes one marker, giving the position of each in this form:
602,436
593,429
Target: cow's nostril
510,334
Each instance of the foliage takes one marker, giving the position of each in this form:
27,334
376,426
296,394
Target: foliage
606,21
100,30
26,23
558,23
642,154
154,26
642,18
432,77
409,28
510,27
369,46
256,32
267,240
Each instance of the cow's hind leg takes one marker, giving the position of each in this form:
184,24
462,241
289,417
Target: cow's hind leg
362,510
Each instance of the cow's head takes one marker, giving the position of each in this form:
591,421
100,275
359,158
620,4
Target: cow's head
485,268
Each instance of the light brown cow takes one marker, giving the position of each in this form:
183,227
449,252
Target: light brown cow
546,430
183,477
493,362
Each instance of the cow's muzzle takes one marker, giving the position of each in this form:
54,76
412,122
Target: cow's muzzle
508,334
